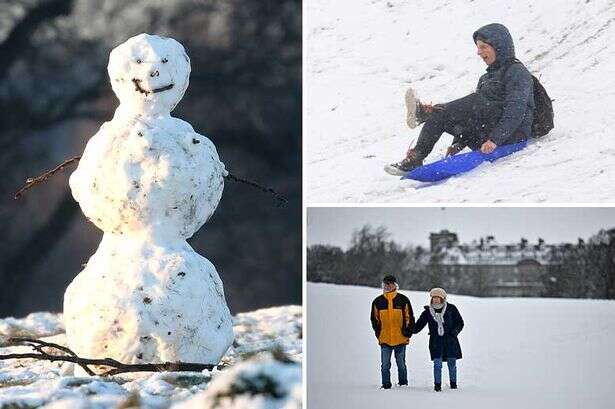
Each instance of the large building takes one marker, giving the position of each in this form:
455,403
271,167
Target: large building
487,268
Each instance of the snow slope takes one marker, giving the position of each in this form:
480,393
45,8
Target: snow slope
256,378
361,55
518,353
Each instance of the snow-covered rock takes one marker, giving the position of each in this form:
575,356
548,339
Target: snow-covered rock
260,383
149,182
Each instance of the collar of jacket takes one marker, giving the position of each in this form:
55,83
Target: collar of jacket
499,64
390,295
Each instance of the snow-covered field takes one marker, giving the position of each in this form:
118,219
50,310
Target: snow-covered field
361,55
254,377
518,353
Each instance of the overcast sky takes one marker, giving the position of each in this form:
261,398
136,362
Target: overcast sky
334,226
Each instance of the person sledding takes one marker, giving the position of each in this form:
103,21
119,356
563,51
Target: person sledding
445,324
500,112
392,320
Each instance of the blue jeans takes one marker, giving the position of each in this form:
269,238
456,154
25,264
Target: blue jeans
400,359
437,370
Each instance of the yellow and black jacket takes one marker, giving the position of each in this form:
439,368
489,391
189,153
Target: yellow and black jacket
392,319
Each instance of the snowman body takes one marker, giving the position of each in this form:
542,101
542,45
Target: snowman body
149,182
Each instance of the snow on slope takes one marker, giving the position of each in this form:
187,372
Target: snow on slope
361,56
255,379
518,353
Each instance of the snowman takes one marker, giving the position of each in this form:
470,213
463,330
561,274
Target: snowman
149,181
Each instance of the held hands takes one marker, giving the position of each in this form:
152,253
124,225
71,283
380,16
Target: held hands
488,146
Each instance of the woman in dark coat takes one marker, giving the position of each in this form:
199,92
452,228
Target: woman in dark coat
445,324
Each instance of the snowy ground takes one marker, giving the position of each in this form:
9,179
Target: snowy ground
361,55
254,378
518,353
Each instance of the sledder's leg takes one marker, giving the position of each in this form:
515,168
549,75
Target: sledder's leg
461,116
470,116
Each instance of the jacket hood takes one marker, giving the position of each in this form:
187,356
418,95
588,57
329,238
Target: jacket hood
498,36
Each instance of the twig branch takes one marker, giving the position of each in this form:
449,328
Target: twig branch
31,182
39,345
281,199
116,366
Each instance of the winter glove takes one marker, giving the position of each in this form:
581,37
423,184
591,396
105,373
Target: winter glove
454,149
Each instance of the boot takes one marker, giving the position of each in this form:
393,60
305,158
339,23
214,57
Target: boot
410,162
437,387
453,385
416,111
386,386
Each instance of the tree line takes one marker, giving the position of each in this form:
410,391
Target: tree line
585,269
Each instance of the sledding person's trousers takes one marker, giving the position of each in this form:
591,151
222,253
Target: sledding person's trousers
400,360
468,119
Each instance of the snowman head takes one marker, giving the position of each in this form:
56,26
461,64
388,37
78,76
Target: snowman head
149,74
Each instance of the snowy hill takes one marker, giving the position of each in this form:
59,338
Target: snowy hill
255,378
361,56
518,353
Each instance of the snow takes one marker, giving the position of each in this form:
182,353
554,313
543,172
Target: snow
31,383
149,182
44,324
517,352
362,55
281,381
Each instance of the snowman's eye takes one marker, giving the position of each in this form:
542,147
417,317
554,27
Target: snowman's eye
164,61
139,61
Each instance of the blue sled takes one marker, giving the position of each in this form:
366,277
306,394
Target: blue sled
454,165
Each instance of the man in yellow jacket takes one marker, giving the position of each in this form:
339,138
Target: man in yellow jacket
392,320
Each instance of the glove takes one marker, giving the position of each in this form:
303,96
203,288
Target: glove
454,149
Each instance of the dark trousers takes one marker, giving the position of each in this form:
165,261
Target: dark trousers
468,119
400,360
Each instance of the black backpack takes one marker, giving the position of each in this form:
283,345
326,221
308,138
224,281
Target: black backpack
543,110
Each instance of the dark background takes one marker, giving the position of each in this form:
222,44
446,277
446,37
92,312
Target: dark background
244,94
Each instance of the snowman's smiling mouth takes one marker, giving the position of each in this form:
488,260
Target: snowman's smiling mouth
138,87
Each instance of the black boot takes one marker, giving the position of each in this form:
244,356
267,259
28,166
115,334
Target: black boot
453,385
410,162
386,386
437,387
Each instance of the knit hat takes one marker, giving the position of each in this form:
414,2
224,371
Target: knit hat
389,279
438,292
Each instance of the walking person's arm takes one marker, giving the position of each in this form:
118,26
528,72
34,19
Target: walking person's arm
420,323
408,320
458,322
375,319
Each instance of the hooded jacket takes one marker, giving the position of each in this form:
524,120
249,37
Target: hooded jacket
392,319
508,85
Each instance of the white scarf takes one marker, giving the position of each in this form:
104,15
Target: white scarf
439,317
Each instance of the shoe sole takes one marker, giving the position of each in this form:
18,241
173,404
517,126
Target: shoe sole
411,108
392,170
